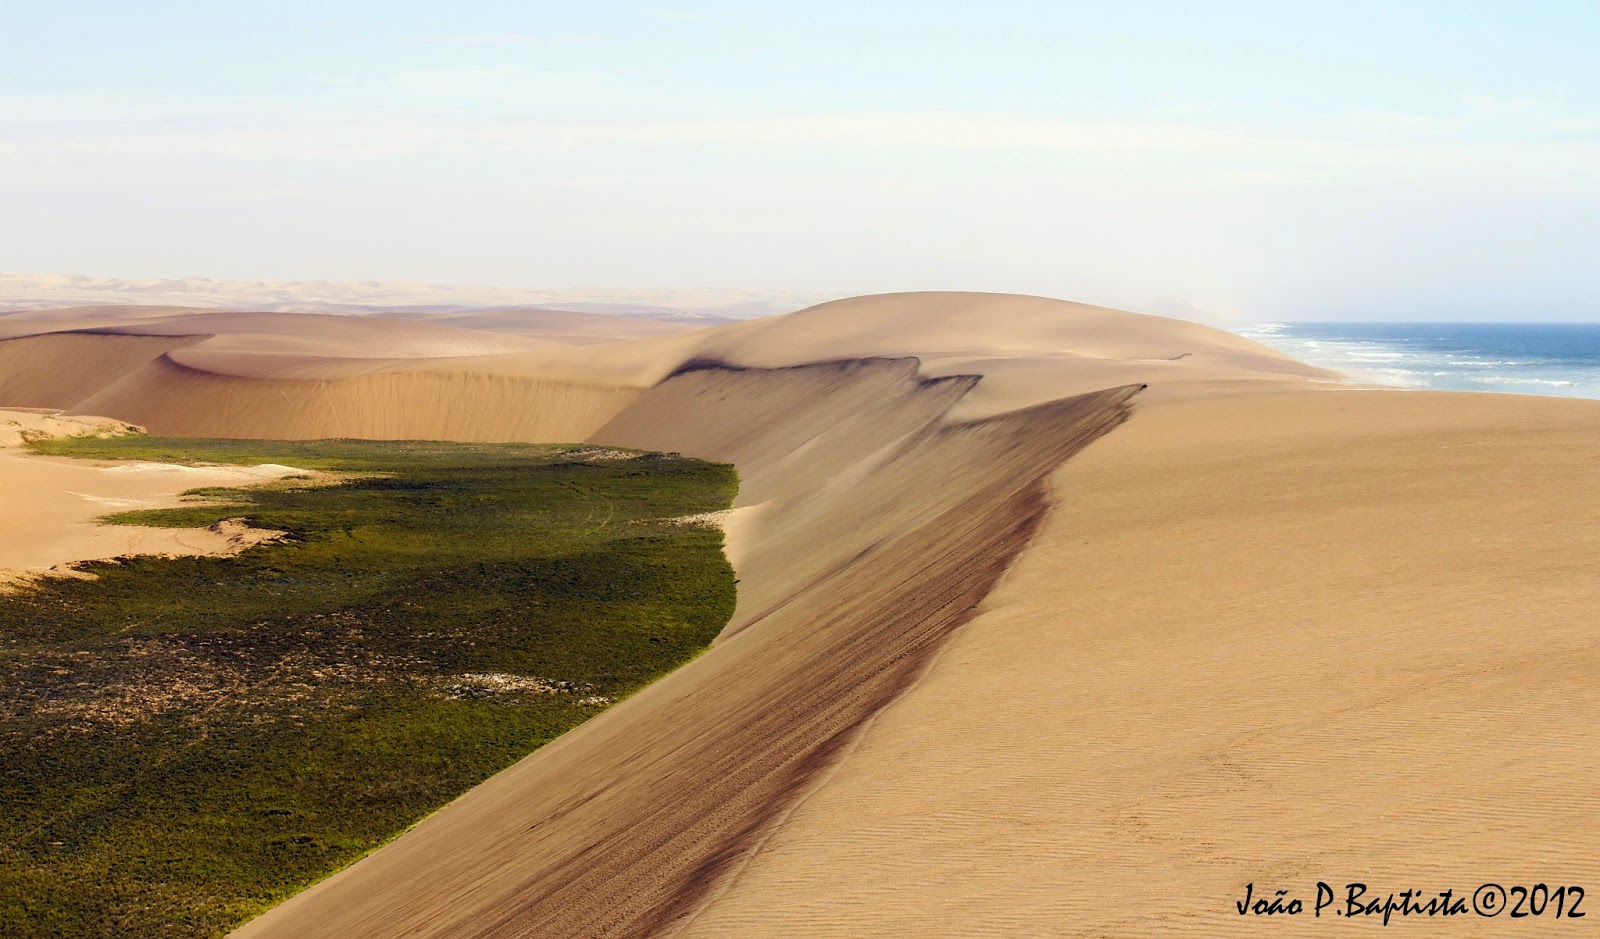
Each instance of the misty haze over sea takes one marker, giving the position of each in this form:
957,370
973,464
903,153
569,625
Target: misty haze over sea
1561,359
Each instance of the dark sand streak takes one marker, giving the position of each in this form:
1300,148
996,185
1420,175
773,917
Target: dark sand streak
893,608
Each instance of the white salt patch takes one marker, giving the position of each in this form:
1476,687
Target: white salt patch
261,471
113,503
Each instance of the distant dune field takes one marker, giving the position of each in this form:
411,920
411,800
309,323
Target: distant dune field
1053,620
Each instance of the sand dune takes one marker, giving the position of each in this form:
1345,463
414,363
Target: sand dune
1053,621
261,333
320,334
28,322
58,370
1029,349
169,397
301,375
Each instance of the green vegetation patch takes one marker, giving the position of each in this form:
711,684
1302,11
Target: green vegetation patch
187,741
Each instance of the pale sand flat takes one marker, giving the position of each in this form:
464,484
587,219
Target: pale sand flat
49,506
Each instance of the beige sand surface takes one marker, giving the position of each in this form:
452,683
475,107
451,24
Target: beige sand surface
1053,621
1275,639
48,506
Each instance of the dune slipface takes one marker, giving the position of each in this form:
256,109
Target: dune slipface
58,370
366,400
1053,621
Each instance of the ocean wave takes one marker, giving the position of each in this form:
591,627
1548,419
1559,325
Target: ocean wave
1510,380
1441,360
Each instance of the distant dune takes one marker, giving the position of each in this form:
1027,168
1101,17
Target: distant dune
43,291
305,375
567,327
1054,620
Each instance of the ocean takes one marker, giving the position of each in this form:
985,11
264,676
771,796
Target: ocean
1560,359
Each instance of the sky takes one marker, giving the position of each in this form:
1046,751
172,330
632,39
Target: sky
1233,160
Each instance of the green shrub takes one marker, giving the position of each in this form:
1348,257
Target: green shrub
189,740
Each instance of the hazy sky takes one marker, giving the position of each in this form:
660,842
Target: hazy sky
1268,160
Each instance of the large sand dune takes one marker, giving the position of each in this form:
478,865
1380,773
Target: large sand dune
1053,621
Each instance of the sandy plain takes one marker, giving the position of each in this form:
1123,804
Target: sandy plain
49,507
1053,620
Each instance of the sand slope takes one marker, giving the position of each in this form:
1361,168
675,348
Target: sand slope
1273,639
170,397
57,370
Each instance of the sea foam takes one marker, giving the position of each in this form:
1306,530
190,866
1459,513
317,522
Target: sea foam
1552,359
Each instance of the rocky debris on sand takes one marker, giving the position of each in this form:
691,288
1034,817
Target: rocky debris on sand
484,685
